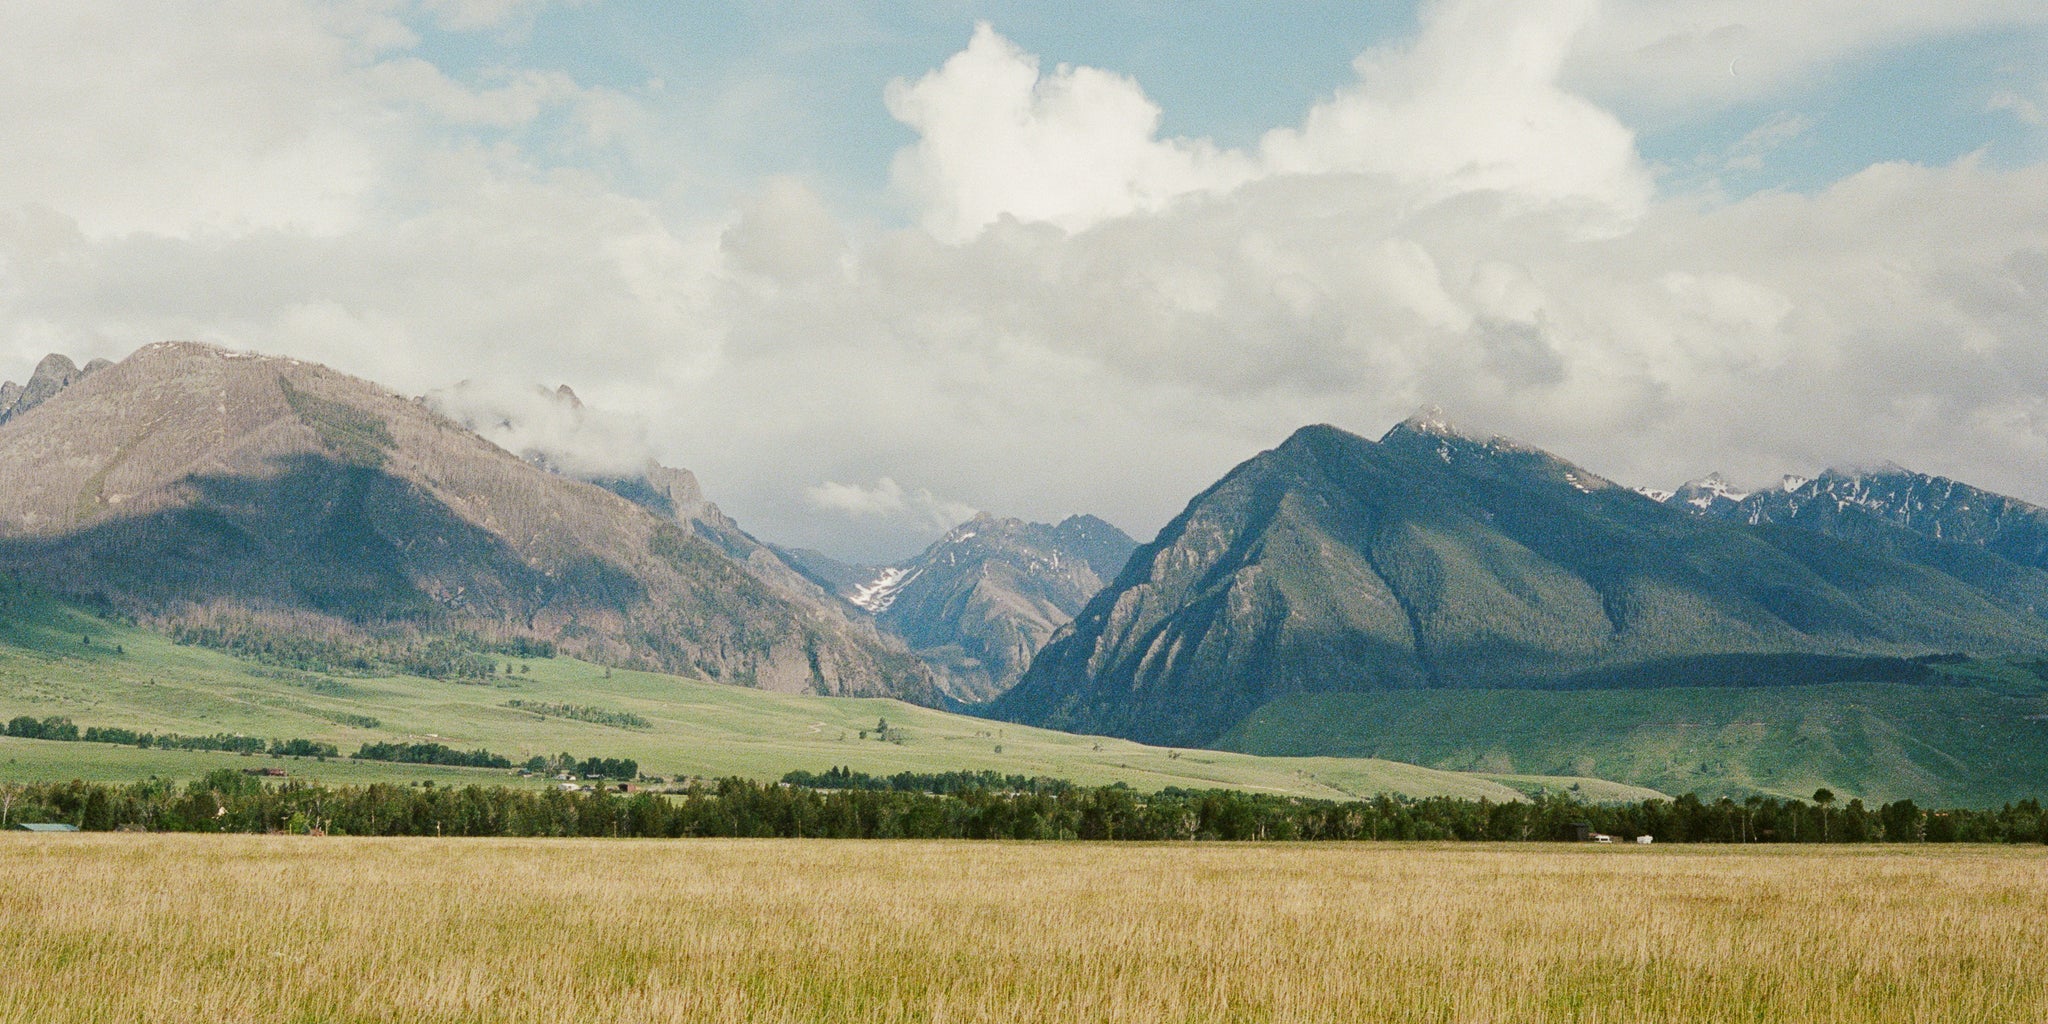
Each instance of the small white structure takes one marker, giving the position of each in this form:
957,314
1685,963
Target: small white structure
1645,840
1599,838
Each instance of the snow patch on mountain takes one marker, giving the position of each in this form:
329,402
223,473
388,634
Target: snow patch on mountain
1709,495
878,594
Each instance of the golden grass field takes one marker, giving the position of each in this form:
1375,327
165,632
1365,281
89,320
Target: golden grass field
264,928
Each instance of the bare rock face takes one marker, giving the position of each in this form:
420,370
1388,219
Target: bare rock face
229,495
979,602
55,373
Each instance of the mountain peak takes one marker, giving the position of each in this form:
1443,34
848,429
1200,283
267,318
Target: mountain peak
54,373
1083,521
1858,472
190,348
1430,421
56,364
1710,495
979,523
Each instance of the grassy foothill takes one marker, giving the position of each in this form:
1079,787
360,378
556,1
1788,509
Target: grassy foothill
178,929
56,660
1979,739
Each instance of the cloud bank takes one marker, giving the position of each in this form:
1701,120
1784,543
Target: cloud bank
1081,314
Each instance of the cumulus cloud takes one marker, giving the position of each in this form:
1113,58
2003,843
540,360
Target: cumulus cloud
1522,274
1071,148
1474,104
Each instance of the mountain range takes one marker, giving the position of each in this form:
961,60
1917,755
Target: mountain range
1885,506
980,601
1436,560
1449,598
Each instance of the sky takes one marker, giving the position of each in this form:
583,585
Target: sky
868,268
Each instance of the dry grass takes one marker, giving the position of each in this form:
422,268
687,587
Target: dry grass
252,928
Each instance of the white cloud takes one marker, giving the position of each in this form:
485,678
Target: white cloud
1071,148
553,427
785,233
1666,57
186,117
886,499
1748,152
287,176
469,15
1094,319
1533,285
1474,104
2028,109
1471,105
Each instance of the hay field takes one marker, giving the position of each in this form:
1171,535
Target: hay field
256,928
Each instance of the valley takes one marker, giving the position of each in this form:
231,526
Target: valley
207,542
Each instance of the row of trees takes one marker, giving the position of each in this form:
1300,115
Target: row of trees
843,777
66,731
431,753
389,638
229,801
581,713
63,730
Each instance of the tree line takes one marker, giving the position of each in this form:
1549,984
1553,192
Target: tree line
842,777
229,801
64,730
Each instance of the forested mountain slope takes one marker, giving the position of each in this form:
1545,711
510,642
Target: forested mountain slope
1436,559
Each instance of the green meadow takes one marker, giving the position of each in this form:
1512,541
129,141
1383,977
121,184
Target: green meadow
1979,737
58,661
